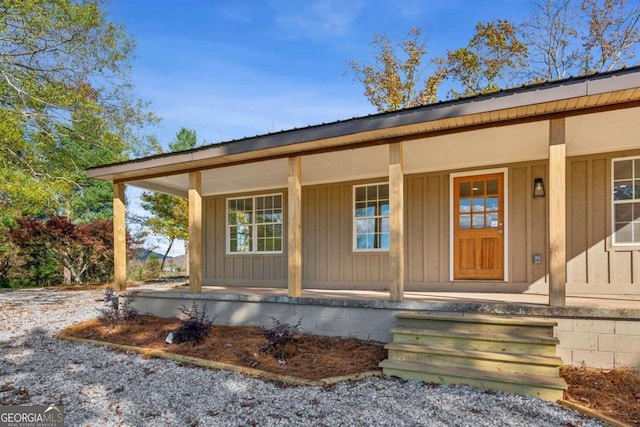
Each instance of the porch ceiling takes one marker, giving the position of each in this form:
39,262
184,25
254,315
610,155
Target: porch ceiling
484,147
607,91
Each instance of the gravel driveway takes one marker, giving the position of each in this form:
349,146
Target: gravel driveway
101,387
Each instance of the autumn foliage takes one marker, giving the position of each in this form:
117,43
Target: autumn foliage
57,250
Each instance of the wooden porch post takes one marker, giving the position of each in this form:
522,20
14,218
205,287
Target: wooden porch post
396,221
557,213
119,238
294,230
195,232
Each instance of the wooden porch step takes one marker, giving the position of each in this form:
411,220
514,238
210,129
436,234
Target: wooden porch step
478,322
470,340
524,364
538,386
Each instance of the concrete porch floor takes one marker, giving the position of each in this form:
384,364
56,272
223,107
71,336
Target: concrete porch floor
595,301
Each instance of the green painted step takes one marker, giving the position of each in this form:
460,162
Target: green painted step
478,323
542,387
500,343
500,362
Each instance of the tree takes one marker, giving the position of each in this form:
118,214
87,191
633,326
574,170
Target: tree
170,214
561,38
493,54
393,82
578,37
85,250
65,102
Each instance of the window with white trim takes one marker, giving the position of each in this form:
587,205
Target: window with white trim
626,201
254,224
371,217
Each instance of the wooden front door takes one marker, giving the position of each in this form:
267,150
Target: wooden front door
478,223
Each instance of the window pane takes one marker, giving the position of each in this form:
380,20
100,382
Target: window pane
623,232
636,185
478,220
240,238
277,202
636,232
384,209
492,220
622,169
361,209
361,194
637,168
465,189
365,226
261,245
384,240
623,212
372,192
478,188
259,202
478,204
277,245
361,241
464,222
492,204
371,209
465,205
384,225
383,192
492,186
623,190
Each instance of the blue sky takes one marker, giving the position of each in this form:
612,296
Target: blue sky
231,69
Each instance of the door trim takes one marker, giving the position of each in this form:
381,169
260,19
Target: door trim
452,176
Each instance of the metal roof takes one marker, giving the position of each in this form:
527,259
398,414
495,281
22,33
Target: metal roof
576,95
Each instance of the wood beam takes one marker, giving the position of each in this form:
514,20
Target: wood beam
294,228
119,238
396,221
557,213
195,231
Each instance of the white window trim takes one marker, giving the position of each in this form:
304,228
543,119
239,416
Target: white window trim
614,244
254,249
505,183
354,234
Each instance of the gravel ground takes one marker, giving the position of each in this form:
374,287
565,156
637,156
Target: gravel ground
101,387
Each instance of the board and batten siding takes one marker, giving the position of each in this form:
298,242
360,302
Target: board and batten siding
593,265
329,261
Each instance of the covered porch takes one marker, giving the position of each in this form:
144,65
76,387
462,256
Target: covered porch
530,135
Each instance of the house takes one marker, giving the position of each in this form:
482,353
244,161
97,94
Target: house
532,190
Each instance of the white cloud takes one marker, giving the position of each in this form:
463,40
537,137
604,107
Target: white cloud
318,19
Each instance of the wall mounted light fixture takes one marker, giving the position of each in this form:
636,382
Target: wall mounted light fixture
538,188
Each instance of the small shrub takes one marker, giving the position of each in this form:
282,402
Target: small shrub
114,313
278,336
195,325
110,296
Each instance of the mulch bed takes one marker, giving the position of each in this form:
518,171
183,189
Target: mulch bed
310,357
615,393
